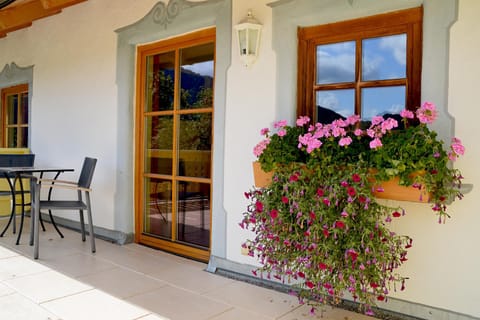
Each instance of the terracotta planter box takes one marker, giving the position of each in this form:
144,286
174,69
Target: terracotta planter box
393,191
260,177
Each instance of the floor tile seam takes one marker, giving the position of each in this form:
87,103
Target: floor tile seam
150,314
57,317
110,296
78,277
22,275
119,266
221,313
187,291
219,287
61,297
126,298
289,312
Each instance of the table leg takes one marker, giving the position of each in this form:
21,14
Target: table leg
14,205
36,219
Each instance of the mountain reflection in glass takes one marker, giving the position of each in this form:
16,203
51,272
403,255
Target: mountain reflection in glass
196,80
383,101
335,104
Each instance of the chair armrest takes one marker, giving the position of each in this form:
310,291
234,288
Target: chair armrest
57,181
67,186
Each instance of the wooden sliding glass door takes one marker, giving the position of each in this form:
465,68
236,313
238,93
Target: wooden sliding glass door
174,139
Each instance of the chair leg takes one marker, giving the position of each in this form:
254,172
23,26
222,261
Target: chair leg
90,221
82,219
82,225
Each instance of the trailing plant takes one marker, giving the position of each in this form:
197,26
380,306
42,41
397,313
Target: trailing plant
319,226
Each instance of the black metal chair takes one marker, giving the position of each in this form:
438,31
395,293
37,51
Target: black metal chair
81,186
16,187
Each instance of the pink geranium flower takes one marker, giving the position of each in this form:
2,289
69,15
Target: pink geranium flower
302,121
375,143
280,124
427,113
407,114
345,141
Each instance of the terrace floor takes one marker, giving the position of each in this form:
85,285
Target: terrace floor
128,282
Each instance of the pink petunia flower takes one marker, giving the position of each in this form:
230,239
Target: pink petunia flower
274,213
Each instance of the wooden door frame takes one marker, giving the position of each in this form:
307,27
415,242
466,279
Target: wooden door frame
198,37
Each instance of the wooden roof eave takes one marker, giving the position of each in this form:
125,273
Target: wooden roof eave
20,16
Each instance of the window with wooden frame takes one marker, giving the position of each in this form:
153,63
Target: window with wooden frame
15,116
368,66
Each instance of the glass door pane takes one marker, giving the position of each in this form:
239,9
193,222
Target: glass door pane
193,223
158,214
160,81
197,76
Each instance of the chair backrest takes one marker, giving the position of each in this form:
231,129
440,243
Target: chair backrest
86,175
17,160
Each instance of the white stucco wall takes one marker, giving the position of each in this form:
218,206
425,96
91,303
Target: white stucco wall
74,114
443,264
73,111
250,106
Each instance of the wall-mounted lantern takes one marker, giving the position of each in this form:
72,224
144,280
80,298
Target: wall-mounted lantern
248,36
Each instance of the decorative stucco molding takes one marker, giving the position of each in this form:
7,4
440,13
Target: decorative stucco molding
12,71
165,14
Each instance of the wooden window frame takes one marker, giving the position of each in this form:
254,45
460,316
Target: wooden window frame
407,21
5,93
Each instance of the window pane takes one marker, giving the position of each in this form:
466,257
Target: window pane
24,141
197,76
193,207
335,104
385,101
336,62
195,145
12,137
160,82
384,58
158,157
12,109
24,106
158,208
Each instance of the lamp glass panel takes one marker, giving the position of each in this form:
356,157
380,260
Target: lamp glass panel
252,41
242,41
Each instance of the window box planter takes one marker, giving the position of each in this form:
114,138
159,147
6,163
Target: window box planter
261,178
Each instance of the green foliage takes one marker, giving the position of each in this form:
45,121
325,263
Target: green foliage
318,223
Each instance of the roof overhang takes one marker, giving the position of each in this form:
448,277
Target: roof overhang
18,14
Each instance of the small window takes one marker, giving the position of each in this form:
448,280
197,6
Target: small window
15,116
369,66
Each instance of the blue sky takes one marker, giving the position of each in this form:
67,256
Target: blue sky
383,58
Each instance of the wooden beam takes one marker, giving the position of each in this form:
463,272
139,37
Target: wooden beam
59,4
22,15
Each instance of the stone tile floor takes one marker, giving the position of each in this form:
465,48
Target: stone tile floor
128,282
